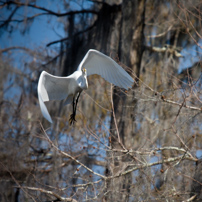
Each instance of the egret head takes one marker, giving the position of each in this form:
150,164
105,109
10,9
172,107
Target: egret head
84,71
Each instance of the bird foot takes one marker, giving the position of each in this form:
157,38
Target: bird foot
72,119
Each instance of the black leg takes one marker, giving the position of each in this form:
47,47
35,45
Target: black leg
73,115
77,99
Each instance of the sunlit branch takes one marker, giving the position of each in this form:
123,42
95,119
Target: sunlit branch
169,49
69,156
87,184
146,165
58,197
153,152
163,98
161,34
191,199
180,104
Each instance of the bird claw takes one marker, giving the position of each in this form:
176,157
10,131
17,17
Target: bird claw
72,119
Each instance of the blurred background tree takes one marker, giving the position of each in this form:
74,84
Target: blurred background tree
140,145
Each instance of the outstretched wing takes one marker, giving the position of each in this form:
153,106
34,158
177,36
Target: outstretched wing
96,62
51,88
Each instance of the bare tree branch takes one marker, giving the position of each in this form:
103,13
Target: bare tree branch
69,156
68,38
6,22
50,12
169,49
169,160
57,196
15,48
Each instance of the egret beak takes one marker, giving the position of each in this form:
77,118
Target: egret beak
84,70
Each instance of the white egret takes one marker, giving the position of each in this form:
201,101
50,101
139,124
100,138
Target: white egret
69,88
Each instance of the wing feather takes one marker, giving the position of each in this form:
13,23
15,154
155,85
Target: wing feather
97,63
51,88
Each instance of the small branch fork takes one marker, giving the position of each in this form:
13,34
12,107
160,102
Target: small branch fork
164,99
69,156
186,155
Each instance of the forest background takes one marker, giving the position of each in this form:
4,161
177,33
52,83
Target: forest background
143,144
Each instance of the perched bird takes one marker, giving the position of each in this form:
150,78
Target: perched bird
69,88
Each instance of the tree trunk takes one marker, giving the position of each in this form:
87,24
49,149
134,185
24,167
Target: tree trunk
132,25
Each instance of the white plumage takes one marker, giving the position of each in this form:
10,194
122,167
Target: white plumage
59,88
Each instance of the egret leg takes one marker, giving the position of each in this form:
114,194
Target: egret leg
73,115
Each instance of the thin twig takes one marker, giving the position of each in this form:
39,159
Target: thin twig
114,117
69,156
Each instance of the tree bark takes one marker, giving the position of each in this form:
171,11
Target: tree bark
130,54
